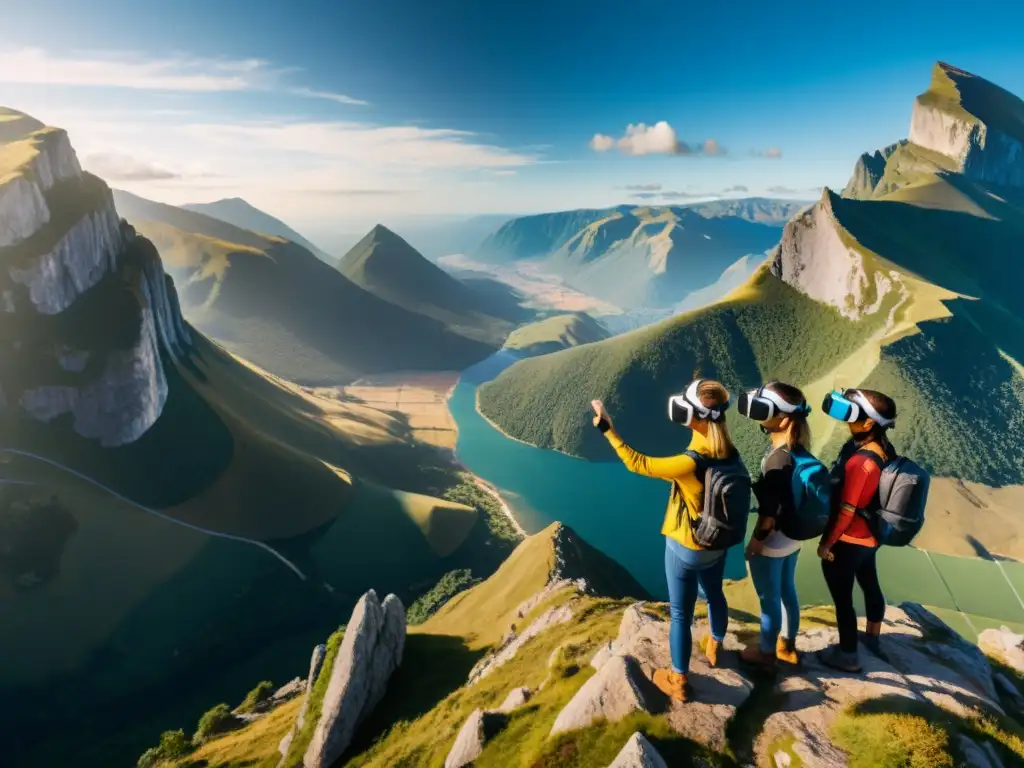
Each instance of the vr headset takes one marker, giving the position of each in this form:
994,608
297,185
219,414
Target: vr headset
763,404
853,408
682,409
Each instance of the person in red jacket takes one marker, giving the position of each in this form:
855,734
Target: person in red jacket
848,547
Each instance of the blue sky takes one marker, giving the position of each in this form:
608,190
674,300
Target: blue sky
338,114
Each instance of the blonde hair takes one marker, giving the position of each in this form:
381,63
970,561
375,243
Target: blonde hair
711,395
799,431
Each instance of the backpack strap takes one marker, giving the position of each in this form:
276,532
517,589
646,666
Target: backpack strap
870,513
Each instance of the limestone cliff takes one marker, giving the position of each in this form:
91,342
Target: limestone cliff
976,123
868,171
88,313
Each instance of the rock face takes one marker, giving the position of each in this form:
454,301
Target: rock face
370,652
88,313
975,123
868,171
638,753
617,690
925,661
516,698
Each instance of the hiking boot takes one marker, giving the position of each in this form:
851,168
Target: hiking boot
753,656
673,684
785,651
871,639
836,658
711,649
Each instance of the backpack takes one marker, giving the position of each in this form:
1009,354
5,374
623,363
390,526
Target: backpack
723,518
812,494
897,515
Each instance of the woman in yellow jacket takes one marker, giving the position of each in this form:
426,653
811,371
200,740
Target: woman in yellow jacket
687,565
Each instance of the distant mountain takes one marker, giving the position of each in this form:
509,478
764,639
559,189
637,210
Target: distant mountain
909,291
763,210
631,256
237,211
385,265
733,277
462,234
556,333
276,304
170,515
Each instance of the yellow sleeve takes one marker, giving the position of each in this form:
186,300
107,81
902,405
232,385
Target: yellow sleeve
666,468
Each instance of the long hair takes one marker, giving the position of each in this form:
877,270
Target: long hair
711,395
799,432
886,407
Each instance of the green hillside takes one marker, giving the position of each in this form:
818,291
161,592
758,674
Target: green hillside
237,211
276,304
388,267
637,256
556,333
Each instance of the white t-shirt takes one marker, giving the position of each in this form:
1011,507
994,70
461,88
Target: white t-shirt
779,544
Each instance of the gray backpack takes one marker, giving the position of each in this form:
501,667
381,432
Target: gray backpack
723,519
898,513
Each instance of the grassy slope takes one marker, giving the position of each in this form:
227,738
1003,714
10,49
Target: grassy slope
276,304
388,267
555,333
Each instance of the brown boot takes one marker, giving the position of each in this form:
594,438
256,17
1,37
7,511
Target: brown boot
753,656
673,684
711,649
785,651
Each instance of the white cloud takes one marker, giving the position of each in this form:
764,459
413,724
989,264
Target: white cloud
340,98
712,147
654,187
114,166
601,143
658,139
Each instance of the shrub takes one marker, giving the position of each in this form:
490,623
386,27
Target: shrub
214,722
451,584
256,696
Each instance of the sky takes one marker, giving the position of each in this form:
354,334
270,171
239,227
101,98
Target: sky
337,115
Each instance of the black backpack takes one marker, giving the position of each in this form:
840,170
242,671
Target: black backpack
722,522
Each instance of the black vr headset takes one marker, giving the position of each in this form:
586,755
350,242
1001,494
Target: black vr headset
682,409
762,405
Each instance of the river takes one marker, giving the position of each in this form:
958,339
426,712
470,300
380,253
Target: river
614,510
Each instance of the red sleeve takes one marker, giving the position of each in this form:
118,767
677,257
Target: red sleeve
861,477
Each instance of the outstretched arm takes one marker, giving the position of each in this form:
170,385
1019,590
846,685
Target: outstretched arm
664,468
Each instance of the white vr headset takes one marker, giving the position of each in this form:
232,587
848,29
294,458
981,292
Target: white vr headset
853,408
682,409
763,405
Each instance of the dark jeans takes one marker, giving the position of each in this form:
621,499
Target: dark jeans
683,581
853,562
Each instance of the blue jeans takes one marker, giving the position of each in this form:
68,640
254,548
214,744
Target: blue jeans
685,575
775,581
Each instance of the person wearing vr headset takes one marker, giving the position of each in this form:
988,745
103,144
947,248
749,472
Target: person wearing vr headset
782,411
688,567
848,547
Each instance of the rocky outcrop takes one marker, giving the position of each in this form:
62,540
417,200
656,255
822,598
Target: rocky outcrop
516,698
868,171
924,662
370,653
479,728
512,643
818,258
975,123
84,296
1006,646
617,690
638,753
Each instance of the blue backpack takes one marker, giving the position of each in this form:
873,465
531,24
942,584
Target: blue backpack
812,494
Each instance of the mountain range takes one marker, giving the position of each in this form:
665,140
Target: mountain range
638,256
277,305
168,511
907,285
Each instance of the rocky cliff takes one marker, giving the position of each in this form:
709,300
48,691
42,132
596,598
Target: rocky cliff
88,313
976,123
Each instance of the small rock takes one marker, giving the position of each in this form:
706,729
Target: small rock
638,753
1005,645
614,692
288,691
316,660
480,727
516,698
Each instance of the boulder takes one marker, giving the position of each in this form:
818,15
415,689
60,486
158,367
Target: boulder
638,753
369,654
288,691
479,728
1005,646
315,662
617,690
516,698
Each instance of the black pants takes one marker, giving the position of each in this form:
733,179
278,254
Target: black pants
852,562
